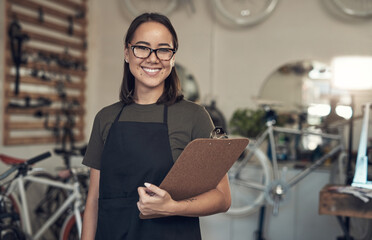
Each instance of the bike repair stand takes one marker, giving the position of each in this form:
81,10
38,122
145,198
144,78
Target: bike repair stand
258,234
361,167
361,170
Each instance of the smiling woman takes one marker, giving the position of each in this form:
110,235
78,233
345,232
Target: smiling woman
148,69
135,142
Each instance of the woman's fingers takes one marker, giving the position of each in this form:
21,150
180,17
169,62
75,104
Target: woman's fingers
152,199
155,189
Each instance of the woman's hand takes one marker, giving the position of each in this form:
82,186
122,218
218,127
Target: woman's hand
154,200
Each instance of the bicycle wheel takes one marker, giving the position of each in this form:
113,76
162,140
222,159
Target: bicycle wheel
249,177
69,230
43,201
136,7
356,8
10,220
244,13
361,228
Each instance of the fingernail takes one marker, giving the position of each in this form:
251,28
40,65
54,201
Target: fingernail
147,184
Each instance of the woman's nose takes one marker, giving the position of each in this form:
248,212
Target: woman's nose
153,57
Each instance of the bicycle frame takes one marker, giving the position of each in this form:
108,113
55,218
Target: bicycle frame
18,184
270,133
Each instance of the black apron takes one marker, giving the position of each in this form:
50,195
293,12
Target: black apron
135,153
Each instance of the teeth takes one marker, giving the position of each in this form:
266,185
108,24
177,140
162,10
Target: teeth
151,70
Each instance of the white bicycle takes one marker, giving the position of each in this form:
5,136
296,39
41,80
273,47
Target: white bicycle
15,214
255,180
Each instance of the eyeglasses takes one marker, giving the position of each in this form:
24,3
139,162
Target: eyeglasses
164,54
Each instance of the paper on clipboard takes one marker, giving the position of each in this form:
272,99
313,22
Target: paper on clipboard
200,167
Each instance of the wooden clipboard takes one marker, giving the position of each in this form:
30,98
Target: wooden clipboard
200,167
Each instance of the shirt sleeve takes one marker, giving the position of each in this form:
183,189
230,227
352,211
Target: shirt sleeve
92,156
202,124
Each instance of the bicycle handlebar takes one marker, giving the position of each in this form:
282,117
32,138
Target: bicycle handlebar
38,158
31,161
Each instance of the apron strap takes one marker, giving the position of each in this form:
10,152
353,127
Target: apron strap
117,116
165,114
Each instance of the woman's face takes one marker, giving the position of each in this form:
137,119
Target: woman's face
150,72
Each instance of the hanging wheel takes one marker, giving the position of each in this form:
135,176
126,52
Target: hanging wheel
249,177
244,12
136,7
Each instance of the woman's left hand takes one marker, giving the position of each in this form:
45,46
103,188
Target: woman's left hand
154,200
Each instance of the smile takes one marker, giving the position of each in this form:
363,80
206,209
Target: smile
151,70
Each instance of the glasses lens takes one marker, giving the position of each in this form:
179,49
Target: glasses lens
141,52
144,52
164,53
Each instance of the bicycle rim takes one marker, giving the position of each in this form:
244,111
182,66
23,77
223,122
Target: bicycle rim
136,7
244,13
257,170
69,230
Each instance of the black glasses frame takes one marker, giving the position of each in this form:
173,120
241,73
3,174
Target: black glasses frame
153,50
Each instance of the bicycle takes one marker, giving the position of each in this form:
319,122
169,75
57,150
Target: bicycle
254,179
15,192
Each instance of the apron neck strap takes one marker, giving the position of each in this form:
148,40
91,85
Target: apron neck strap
117,116
165,114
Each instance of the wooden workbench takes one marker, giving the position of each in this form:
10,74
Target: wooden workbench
343,204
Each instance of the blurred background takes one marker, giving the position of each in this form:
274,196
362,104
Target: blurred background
234,56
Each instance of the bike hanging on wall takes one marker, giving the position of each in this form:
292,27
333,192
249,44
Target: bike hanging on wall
244,13
355,8
136,7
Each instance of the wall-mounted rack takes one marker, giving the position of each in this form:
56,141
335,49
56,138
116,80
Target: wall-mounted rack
44,72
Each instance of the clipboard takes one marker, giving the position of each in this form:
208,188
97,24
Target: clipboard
200,167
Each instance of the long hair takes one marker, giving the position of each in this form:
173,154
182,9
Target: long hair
172,87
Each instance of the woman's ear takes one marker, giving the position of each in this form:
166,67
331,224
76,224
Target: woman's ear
126,55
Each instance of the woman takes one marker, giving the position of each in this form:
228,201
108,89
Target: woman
134,143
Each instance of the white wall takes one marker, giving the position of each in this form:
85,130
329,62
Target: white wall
230,65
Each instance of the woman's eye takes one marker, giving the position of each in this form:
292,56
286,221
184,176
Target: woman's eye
163,50
142,48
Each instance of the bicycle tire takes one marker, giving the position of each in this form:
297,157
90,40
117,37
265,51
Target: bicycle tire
69,230
244,199
244,14
361,228
43,201
137,7
355,8
11,228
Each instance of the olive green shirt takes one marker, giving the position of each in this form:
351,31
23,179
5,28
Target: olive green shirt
186,122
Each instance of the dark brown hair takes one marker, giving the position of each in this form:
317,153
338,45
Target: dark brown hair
172,88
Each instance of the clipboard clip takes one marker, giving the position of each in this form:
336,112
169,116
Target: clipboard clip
218,133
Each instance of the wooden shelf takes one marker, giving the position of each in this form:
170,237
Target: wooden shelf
60,35
49,52
50,68
35,125
31,111
51,96
36,140
38,81
48,10
47,25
